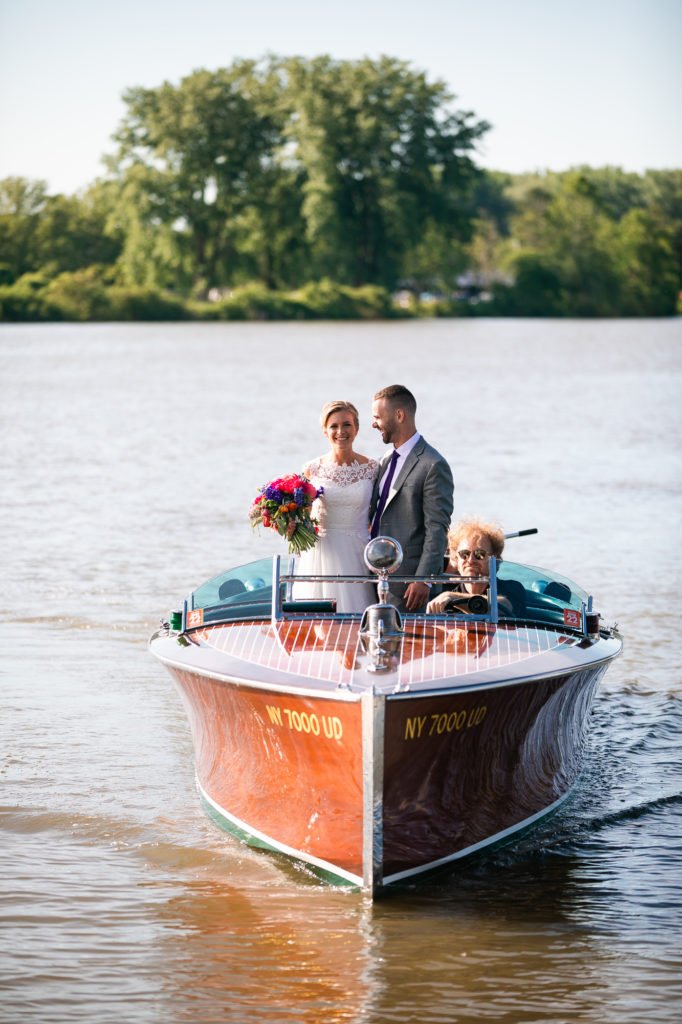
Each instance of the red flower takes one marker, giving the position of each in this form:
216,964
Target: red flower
288,484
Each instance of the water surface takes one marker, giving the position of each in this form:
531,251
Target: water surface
129,457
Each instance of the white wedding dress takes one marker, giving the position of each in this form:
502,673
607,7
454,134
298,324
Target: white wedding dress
342,513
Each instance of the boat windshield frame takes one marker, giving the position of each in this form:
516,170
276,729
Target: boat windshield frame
263,589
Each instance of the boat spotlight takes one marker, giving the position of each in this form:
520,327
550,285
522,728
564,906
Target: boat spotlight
381,629
383,555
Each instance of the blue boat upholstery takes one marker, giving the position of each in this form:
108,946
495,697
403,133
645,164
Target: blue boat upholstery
229,588
559,590
513,603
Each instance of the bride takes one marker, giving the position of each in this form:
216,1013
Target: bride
342,512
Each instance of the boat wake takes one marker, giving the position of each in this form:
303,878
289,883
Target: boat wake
635,812
182,850
161,840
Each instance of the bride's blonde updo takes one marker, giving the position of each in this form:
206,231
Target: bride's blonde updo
339,406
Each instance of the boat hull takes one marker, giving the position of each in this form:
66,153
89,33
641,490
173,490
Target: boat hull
283,770
374,788
466,770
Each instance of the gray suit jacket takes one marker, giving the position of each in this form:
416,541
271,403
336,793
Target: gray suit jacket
419,512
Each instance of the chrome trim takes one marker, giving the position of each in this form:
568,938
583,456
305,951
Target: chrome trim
493,611
276,610
276,605
373,718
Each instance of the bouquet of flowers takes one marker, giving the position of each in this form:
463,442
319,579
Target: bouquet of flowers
285,505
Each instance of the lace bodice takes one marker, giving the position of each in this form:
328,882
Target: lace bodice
343,475
347,493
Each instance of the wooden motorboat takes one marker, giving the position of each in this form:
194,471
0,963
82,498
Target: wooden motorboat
375,748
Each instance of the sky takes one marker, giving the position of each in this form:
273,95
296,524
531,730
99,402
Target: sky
595,82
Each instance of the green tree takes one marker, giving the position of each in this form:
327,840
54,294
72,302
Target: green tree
434,263
613,191
537,289
645,259
385,159
53,234
74,232
589,243
580,244
21,204
270,233
663,191
155,252
190,159
492,201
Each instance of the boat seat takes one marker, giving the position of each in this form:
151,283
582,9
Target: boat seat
229,588
514,593
558,590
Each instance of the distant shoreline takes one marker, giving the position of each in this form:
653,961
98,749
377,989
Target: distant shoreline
77,298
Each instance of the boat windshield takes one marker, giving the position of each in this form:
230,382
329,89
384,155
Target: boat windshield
242,592
537,594
246,592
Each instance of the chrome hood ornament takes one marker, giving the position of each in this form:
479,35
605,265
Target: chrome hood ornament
381,628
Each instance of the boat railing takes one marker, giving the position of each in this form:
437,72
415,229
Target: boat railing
560,608
285,604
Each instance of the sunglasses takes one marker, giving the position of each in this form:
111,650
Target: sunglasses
479,554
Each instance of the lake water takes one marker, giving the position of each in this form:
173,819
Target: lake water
129,457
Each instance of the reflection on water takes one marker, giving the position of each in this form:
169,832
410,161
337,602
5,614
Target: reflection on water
315,959
130,455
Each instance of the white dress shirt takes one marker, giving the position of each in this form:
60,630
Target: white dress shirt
403,452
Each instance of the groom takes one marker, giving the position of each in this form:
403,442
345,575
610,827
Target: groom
413,495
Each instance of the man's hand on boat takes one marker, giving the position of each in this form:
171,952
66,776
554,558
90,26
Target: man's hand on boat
441,602
416,595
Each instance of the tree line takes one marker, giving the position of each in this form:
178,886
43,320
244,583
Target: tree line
290,188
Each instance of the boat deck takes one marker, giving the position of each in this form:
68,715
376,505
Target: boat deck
430,654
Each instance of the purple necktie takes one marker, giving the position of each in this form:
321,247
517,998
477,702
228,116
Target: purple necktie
374,532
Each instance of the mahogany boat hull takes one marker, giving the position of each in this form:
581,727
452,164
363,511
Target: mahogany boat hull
284,771
374,785
463,771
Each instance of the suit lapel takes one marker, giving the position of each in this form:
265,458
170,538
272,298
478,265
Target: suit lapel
383,466
410,462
